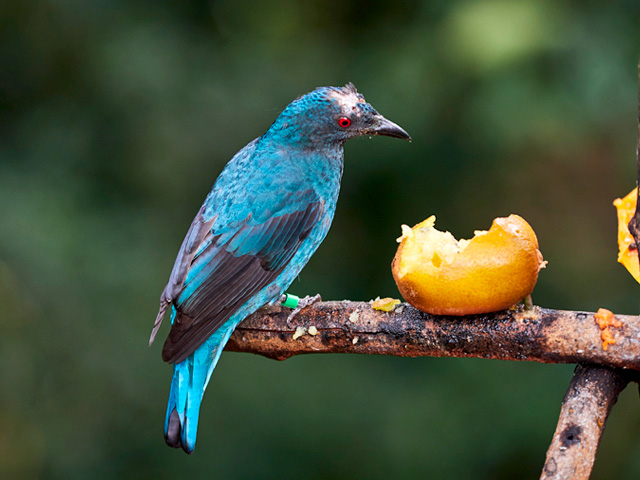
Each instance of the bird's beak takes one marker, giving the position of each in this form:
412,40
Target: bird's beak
382,126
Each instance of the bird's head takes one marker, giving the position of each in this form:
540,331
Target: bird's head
332,115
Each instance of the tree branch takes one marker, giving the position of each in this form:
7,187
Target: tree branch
528,334
591,394
536,334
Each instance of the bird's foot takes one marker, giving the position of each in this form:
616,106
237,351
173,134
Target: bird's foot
298,304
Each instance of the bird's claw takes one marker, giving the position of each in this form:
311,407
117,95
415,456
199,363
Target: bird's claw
303,303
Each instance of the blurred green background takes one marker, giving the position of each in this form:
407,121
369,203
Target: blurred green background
117,116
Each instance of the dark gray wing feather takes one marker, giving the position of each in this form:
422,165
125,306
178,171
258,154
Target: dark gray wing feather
230,273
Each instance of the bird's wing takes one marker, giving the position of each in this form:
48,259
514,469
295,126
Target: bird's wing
230,265
199,229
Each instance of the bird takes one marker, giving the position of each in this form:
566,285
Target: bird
267,213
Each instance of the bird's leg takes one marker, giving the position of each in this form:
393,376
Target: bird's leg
291,301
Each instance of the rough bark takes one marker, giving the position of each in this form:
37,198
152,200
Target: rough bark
591,394
536,334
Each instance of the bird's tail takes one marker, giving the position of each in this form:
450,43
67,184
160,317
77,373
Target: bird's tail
190,379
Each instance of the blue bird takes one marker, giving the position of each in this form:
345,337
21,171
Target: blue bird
266,215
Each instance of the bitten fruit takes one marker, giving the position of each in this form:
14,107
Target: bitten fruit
492,271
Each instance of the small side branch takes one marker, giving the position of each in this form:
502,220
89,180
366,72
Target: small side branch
535,334
591,394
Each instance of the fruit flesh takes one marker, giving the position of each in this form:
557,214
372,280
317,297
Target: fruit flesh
428,243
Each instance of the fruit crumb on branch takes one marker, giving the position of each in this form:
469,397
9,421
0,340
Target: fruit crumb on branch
386,304
605,319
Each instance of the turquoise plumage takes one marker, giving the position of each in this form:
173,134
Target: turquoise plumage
266,215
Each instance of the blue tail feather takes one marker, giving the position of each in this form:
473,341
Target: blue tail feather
190,379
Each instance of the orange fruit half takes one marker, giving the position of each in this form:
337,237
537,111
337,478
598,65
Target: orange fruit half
628,253
492,271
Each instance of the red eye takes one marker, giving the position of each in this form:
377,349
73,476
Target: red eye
344,122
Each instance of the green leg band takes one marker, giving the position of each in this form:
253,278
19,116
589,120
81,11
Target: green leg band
290,301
